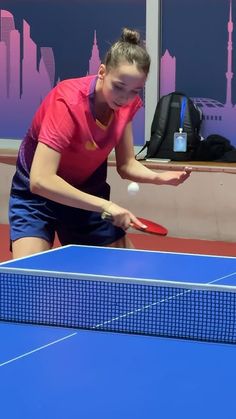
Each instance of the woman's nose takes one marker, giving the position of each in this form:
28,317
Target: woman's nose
123,97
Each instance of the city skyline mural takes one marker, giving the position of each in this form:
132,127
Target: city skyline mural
197,58
44,42
47,41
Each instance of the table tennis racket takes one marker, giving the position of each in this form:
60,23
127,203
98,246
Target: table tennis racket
152,227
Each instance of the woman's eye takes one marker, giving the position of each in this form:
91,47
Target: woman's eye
136,92
116,86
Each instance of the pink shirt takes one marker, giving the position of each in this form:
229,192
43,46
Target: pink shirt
65,122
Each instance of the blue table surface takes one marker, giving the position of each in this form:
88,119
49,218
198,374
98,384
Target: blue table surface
98,261
62,373
48,372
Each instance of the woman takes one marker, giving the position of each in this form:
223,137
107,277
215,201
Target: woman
60,180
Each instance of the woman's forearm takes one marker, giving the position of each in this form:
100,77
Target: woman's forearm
57,189
137,172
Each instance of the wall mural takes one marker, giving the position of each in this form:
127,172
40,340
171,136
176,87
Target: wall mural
198,40
47,41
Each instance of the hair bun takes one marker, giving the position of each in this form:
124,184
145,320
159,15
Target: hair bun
130,49
130,36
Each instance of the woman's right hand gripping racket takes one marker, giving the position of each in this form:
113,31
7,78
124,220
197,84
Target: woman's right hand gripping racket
151,226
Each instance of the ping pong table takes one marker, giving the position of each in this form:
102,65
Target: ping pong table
67,362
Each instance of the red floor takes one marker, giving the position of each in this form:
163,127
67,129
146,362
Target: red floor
149,242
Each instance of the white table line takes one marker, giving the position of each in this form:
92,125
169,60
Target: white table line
37,349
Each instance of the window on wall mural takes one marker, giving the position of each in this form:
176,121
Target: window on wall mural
198,40
44,42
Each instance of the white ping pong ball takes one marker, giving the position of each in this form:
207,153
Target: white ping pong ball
133,188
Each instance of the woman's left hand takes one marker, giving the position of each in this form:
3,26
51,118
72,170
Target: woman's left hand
172,178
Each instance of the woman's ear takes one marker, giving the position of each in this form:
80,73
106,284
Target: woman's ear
101,72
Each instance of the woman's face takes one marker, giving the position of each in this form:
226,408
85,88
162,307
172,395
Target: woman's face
120,85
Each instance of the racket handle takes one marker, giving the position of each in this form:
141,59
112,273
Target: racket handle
106,216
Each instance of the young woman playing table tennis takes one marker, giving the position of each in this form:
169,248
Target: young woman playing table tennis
60,180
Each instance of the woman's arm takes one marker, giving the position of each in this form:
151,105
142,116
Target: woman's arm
129,168
44,181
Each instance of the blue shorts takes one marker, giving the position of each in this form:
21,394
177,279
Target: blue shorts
33,216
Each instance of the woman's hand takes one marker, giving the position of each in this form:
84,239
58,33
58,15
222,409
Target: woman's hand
172,178
120,217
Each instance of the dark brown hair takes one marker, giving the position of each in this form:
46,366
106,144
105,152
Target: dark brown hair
129,48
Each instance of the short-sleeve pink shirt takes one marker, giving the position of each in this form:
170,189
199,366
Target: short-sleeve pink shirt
65,122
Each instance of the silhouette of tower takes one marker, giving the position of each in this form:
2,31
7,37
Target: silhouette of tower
3,71
229,73
220,117
14,66
167,74
6,26
48,57
94,61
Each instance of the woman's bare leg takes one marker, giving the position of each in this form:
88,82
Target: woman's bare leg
28,246
124,242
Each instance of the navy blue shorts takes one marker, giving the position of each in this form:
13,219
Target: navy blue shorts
33,216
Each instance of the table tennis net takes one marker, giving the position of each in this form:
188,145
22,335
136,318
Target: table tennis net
156,310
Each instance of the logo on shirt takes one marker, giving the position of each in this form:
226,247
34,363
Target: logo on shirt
90,145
